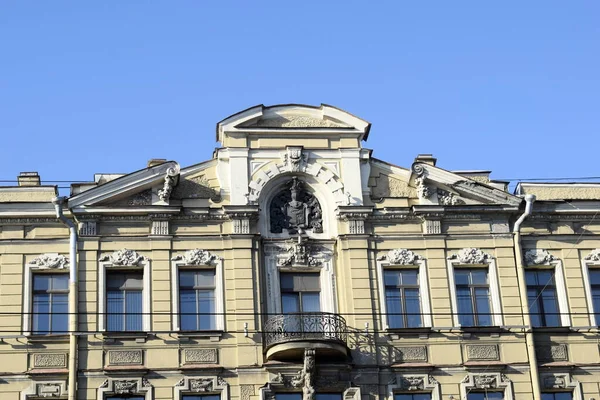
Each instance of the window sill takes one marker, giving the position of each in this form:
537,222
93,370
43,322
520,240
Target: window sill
493,331
213,336
47,371
112,337
397,333
552,329
53,337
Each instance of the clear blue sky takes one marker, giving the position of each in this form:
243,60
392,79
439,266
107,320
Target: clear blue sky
104,86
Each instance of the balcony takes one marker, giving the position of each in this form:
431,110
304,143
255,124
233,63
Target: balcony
286,336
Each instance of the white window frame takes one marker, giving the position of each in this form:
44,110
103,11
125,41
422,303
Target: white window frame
45,389
561,382
125,260
125,386
187,385
270,390
590,262
45,263
542,259
465,259
415,383
194,260
491,381
404,259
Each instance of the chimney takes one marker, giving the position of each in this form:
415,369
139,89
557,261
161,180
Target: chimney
155,161
426,159
28,179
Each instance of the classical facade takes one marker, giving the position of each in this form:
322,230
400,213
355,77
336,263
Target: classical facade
294,265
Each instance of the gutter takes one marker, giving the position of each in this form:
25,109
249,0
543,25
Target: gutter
529,338
73,280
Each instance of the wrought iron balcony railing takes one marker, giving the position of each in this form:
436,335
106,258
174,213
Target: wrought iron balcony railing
319,326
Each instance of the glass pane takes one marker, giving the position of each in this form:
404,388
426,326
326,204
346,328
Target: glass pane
186,279
134,281
391,277
288,396
534,308
114,308
328,396
422,396
596,303
133,307
545,277
187,307
479,276
465,307
461,276
41,282
595,276
531,278
410,277
495,396
547,396
413,308
205,278
115,280
475,396
311,302
287,282
41,310
306,282
290,303
206,309
563,396
482,301
60,318
393,302
60,282
550,304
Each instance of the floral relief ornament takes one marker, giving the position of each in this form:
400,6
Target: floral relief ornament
124,257
401,257
594,255
538,257
471,255
50,261
196,257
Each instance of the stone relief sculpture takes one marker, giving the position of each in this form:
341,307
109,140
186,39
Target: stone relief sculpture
306,375
296,210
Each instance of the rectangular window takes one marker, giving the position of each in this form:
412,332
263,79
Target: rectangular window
197,299
298,396
300,293
125,398
473,297
595,287
50,303
485,396
557,396
412,396
542,297
402,298
201,397
124,301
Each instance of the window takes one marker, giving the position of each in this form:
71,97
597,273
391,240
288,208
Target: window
298,396
595,289
485,396
124,301
412,396
125,398
542,297
300,292
557,396
201,397
50,303
197,300
473,296
402,298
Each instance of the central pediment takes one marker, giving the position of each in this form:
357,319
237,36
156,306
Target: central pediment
290,122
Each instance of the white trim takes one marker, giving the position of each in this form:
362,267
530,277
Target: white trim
414,383
188,385
143,265
585,270
217,265
490,264
424,299
561,382
492,381
45,389
125,386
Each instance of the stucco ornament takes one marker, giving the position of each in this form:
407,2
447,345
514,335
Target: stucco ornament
448,199
294,159
412,383
196,257
423,191
299,253
296,210
170,181
538,257
50,261
124,257
401,257
125,387
485,381
201,385
471,255
306,376
594,255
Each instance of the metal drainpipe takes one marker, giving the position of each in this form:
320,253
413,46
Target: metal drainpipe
529,338
73,279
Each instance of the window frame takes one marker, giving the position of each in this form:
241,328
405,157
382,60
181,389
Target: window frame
490,381
37,266
486,261
37,388
110,387
589,263
414,383
133,264
185,387
414,261
189,262
545,260
561,382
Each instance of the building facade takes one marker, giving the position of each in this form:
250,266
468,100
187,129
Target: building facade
294,265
